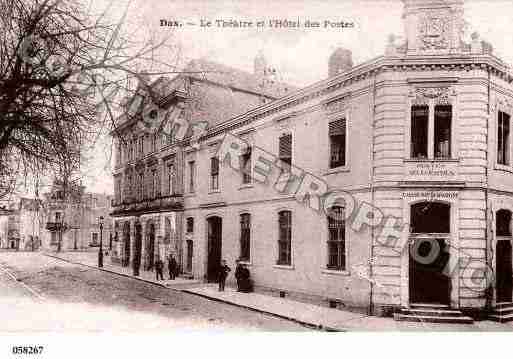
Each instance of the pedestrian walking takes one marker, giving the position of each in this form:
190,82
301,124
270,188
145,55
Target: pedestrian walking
223,273
159,268
172,265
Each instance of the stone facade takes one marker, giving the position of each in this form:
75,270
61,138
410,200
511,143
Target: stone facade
425,133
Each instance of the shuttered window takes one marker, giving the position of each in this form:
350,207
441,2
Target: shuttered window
285,148
337,135
214,173
285,238
336,239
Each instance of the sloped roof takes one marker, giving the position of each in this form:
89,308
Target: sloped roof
236,79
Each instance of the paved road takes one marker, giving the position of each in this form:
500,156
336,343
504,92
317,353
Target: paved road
50,294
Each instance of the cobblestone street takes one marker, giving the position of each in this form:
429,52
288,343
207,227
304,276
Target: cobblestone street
50,294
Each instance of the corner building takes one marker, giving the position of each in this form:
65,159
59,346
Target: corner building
421,133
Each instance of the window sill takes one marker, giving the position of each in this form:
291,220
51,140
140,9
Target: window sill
187,195
283,266
341,272
214,191
341,169
504,168
245,186
415,160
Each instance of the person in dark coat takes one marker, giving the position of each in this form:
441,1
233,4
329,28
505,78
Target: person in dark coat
159,268
173,266
246,285
223,273
239,268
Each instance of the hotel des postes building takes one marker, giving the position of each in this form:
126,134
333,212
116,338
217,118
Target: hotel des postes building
421,135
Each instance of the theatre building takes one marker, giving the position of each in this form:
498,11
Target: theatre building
420,134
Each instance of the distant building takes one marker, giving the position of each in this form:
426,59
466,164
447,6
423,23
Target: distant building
20,225
72,218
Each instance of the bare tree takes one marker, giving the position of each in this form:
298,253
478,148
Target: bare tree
63,69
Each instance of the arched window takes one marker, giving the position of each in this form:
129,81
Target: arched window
430,217
245,236
336,239
503,223
285,238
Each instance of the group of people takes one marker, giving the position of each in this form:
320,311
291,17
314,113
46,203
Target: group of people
172,266
242,276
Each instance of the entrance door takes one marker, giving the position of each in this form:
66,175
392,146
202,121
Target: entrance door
126,240
430,226
504,283
189,256
150,247
136,262
428,283
214,234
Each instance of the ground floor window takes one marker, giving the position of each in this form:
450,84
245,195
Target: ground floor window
285,238
336,239
245,234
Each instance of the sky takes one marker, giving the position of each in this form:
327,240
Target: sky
299,55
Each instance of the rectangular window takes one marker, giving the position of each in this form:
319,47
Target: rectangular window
245,234
154,184
337,134
94,239
171,178
53,239
285,237
419,131
443,117
141,186
57,217
192,175
154,139
190,225
336,239
214,173
246,166
285,149
141,146
503,139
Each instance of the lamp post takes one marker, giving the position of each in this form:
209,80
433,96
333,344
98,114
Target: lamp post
100,251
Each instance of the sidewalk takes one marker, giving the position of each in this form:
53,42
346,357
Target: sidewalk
308,314
90,259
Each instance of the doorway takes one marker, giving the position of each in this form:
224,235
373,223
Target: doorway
126,242
503,280
214,239
188,266
136,262
429,254
150,247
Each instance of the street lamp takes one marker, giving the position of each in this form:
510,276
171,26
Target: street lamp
100,252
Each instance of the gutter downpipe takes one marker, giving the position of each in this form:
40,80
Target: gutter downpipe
371,245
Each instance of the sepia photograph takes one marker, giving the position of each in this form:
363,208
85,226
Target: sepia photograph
231,167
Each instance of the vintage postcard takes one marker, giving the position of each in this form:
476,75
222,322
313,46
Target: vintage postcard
253,166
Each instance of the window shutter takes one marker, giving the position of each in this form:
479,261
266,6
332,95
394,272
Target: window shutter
285,145
214,166
337,128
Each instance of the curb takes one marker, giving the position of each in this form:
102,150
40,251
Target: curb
110,271
307,324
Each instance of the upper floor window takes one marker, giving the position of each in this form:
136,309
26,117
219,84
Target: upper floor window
285,238
57,217
214,173
190,225
154,140
503,146
337,135
141,186
245,235
141,146
427,143
171,178
192,175
336,239
285,149
155,184
246,166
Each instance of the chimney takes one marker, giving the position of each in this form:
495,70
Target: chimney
341,60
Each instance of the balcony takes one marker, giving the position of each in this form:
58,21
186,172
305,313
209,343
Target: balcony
55,226
132,206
